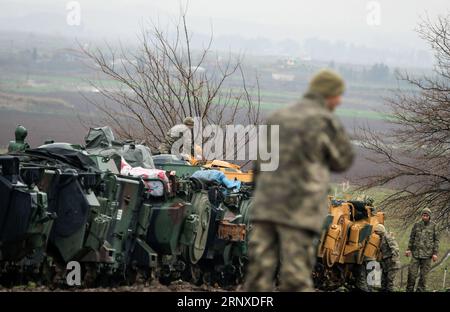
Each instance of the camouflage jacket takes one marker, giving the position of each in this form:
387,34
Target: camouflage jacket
389,247
424,240
177,132
174,134
312,142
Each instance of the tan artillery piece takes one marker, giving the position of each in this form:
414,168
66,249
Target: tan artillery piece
347,240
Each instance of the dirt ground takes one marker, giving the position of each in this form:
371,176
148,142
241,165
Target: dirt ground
151,287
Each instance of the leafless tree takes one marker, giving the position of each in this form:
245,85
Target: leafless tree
417,150
166,80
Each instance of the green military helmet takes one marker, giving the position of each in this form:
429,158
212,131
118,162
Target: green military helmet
366,200
189,121
327,83
19,144
380,229
369,200
20,133
426,211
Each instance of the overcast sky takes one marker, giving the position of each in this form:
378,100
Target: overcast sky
328,19
382,23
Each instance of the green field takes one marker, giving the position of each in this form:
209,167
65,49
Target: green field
344,112
270,99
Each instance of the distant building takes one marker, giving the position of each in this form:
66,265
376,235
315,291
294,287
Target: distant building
283,77
291,62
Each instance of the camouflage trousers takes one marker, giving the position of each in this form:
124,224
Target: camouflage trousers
389,272
360,274
283,251
164,148
419,267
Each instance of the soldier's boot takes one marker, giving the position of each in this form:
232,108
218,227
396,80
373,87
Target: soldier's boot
361,278
388,283
297,259
425,266
384,276
384,281
413,271
263,258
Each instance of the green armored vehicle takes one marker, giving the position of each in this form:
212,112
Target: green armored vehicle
106,206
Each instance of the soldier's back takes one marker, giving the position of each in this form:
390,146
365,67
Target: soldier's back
294,193
389,246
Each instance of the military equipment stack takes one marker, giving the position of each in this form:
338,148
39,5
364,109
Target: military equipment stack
63,202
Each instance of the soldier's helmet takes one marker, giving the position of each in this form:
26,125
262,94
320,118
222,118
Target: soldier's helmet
327,83
426,211
189,121
369,200
380,229
21,133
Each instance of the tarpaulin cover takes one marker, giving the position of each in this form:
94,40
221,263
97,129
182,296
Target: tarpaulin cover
99,137
139,156
70,157
15,211
67,200
145,173
101,141
217,176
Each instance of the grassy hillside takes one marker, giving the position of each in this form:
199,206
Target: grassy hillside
19,93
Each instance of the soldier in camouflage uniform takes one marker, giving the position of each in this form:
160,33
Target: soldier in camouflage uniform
389,258
423,246
291,202
361,272
177,132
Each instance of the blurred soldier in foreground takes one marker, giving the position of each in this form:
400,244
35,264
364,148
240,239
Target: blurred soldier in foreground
291,202
423,246
177,132
389,258
19,145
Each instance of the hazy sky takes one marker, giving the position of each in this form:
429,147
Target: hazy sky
350,20
329,19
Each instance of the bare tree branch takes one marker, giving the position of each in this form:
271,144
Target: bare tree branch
417,150
166,80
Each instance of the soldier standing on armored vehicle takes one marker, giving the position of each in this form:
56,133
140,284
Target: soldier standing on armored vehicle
423,246
291,202
389,258
177,132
